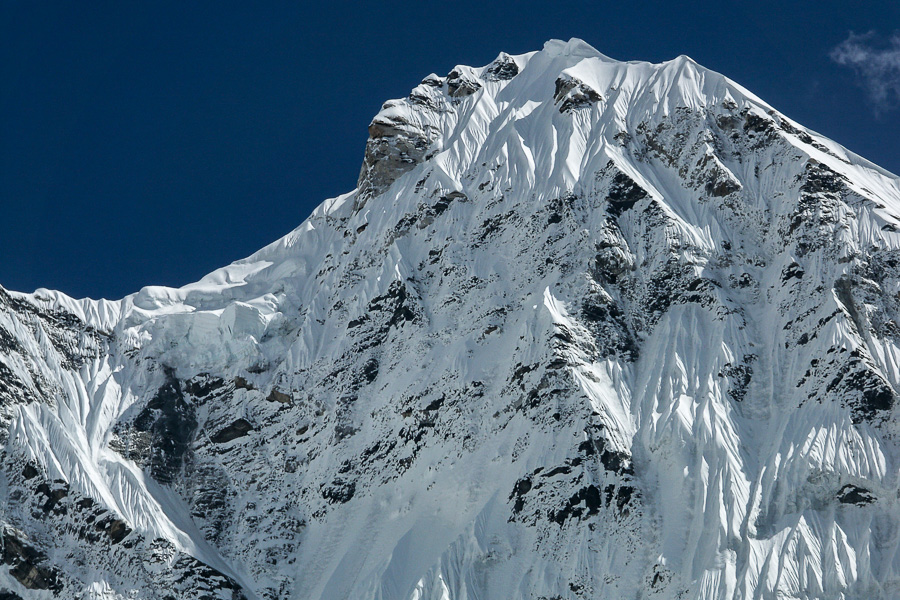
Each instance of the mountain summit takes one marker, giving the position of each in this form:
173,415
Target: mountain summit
585,329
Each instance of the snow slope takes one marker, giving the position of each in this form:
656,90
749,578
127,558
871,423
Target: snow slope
585,329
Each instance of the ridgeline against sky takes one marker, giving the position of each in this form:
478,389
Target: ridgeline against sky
150,145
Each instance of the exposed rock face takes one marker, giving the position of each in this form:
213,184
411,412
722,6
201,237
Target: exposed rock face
395,147
28,565
503,68
572,93
586,329
408,131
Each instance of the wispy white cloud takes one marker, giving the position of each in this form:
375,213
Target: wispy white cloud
877,64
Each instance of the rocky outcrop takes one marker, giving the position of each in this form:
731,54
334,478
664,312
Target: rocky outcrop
28,565
572,94
396,145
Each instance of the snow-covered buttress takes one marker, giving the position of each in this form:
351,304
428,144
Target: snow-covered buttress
585,329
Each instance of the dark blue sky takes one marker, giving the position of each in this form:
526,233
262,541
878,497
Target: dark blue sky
150,144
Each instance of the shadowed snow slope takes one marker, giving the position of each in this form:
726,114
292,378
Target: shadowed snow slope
585,329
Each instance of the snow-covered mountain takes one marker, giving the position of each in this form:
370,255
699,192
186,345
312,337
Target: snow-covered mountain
585,329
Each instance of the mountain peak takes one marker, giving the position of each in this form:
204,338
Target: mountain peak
567,90
574,47
586,329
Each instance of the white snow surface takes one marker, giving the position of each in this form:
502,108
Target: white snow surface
623,331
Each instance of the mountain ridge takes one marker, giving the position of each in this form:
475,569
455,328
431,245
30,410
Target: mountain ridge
618,329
